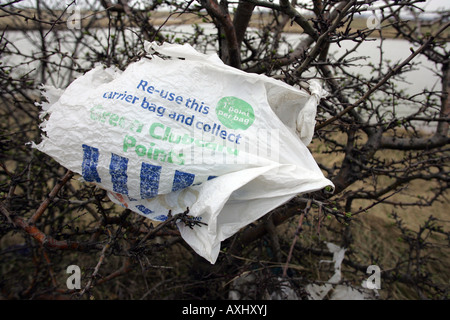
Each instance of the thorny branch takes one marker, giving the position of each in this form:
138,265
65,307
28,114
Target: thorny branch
386,78
373,154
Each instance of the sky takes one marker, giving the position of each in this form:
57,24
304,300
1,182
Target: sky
432,5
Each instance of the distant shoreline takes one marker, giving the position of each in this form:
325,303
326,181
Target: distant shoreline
58,20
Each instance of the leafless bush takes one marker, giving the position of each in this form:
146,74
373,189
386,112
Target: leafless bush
380,144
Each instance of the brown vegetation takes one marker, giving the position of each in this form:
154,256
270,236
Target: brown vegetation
390,206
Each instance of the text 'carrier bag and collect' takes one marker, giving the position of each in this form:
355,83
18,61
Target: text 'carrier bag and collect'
187,131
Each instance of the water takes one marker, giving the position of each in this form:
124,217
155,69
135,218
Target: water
395,50
422,76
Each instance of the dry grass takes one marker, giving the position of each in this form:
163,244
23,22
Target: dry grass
59,20
375,233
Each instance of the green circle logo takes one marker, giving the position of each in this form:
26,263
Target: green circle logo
235,113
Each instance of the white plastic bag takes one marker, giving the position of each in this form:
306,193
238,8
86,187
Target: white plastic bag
187,131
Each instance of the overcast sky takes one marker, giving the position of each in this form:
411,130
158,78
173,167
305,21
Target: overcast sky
433,5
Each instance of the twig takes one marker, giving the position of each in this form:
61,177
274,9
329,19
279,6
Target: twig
384,80
322,40
59,18
126,267
97,267
157,228
7,214
69,174
168,17
382,200
42,238
320,219
50,269
297,232
184,217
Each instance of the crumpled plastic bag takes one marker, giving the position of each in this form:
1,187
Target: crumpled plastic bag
180,129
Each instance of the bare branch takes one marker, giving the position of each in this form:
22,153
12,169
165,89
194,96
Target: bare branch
384,80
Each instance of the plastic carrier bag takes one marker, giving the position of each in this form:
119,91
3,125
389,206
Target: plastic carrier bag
183,130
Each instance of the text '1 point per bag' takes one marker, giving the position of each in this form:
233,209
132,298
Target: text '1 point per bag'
183,130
